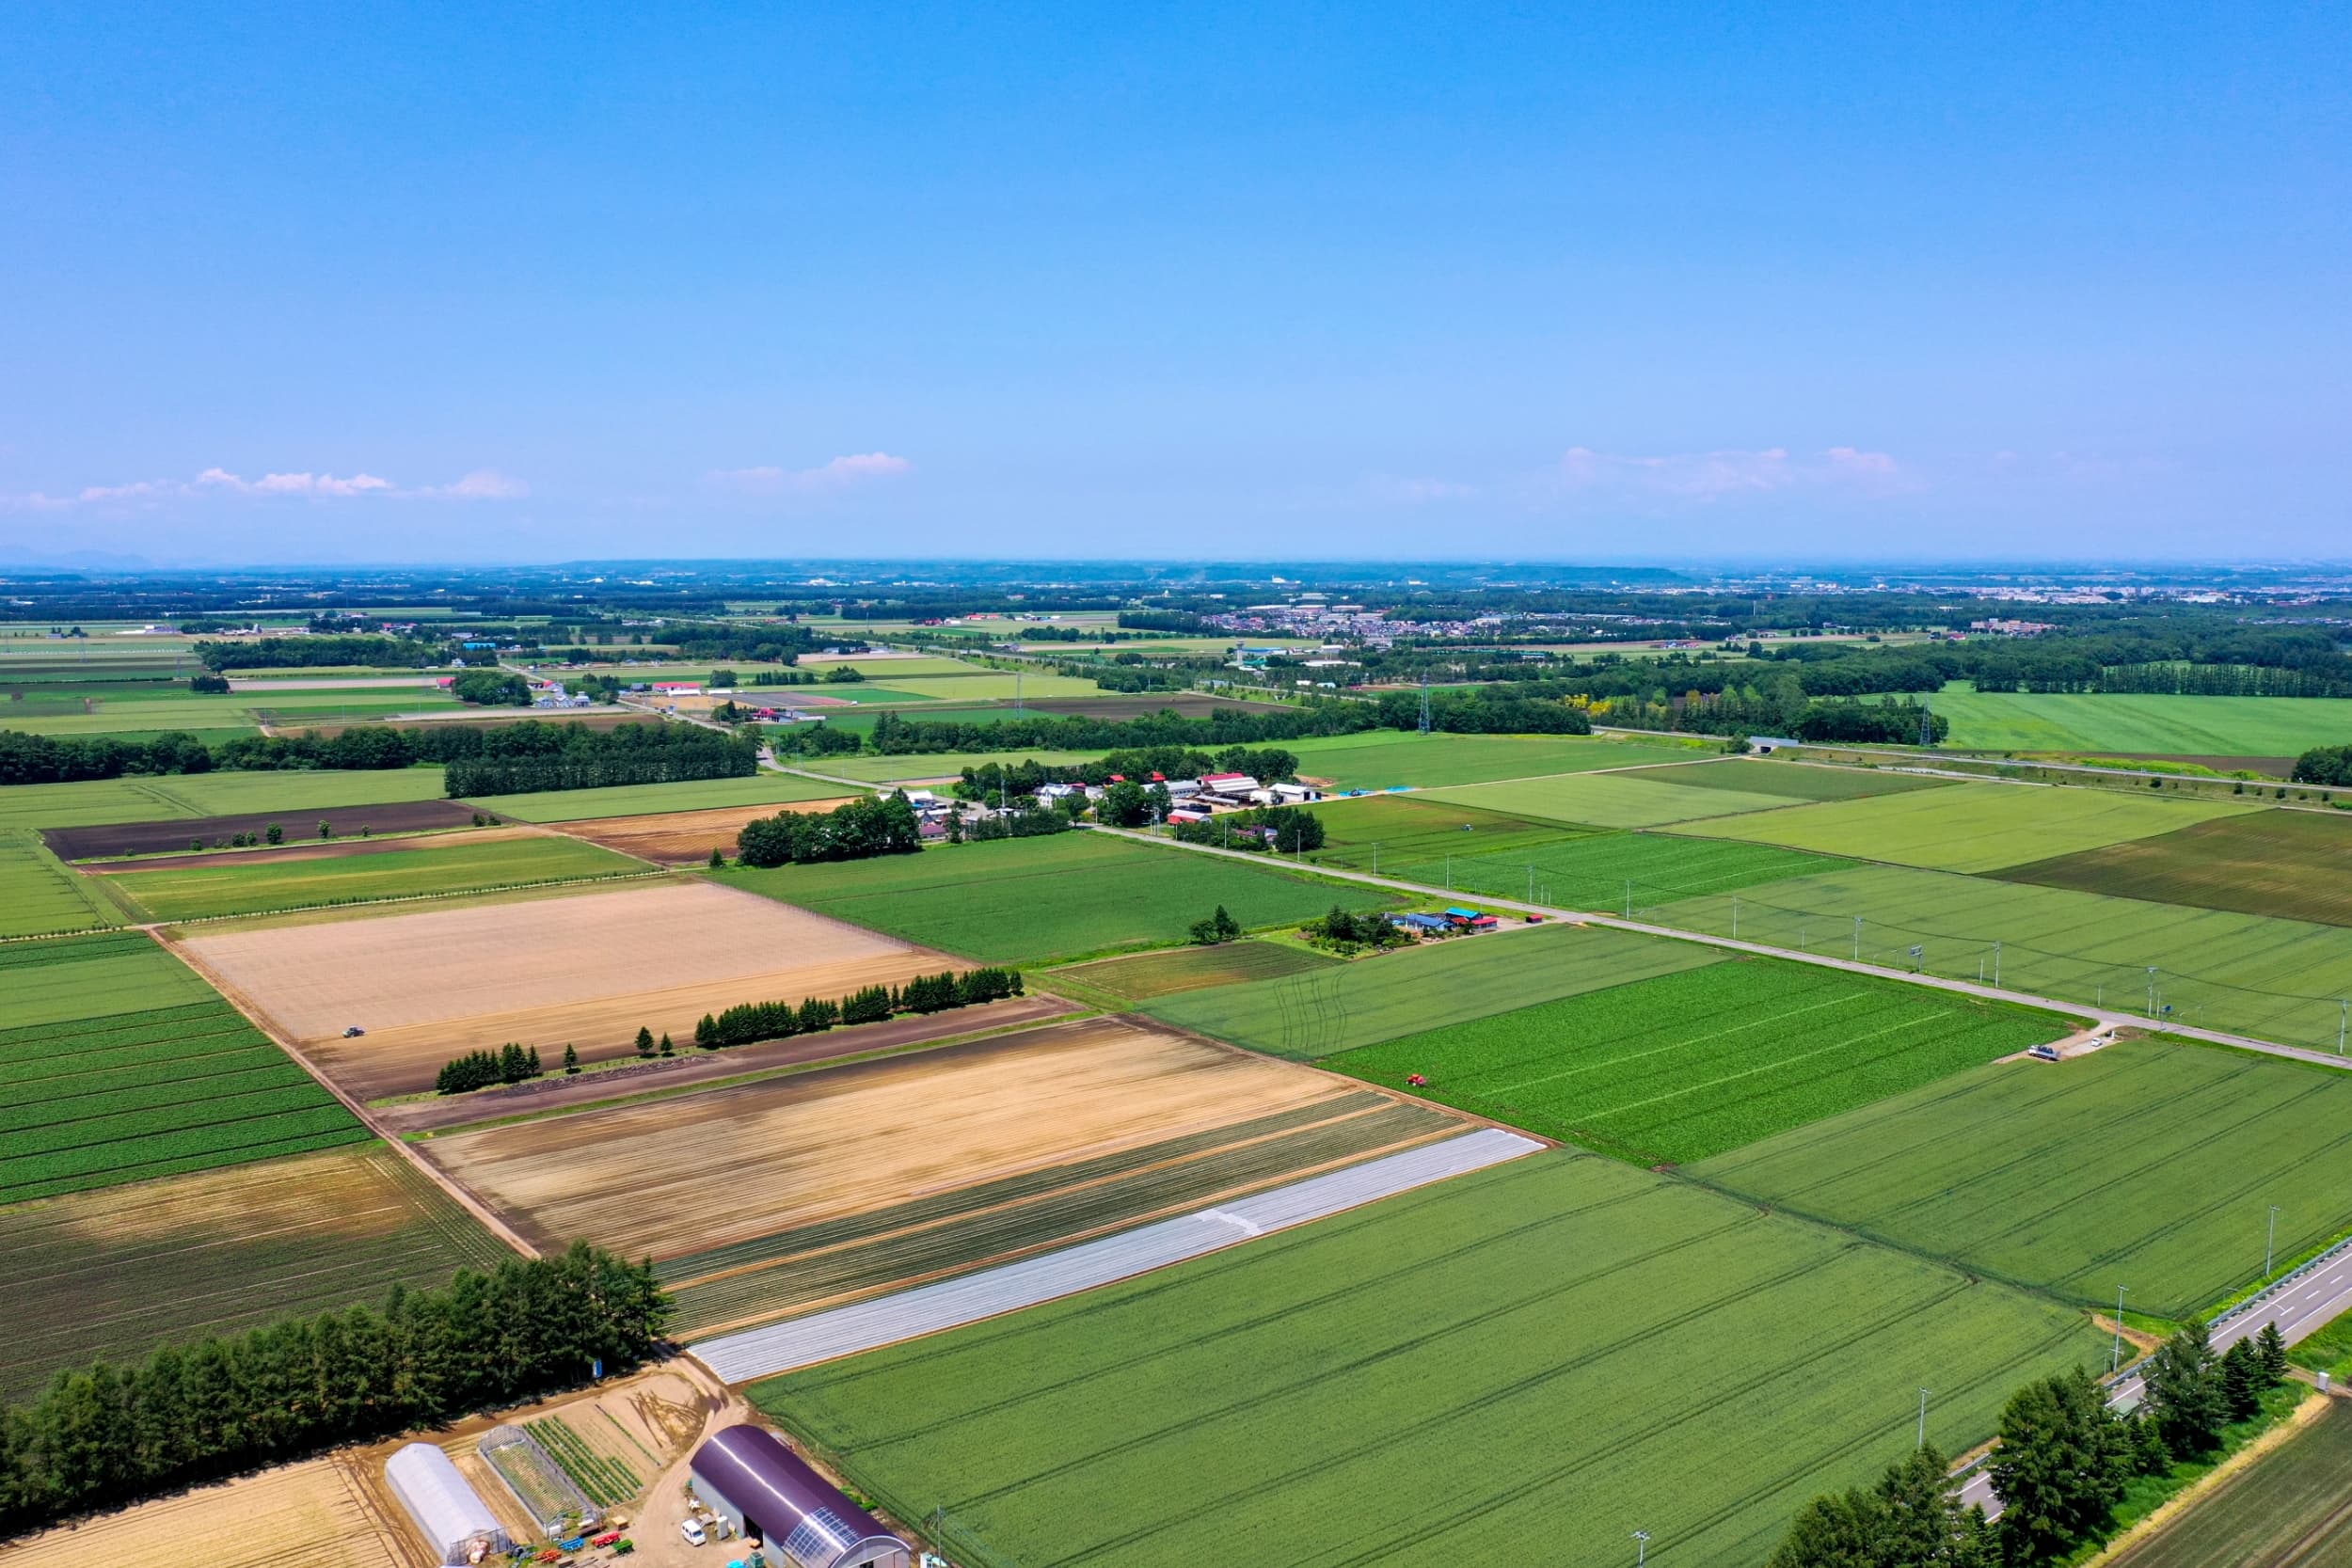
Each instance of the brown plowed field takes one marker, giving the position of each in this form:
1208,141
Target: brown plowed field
314,1514
683,837
586,969
699,1171
151,838
334,849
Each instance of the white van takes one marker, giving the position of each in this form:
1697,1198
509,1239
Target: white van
692,1530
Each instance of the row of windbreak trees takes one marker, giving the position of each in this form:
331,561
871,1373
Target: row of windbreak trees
105,1436
527,747
749,1022
2065,1462
855,830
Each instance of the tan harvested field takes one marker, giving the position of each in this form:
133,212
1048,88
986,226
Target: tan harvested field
315,1514
701,1171
683,837
587,970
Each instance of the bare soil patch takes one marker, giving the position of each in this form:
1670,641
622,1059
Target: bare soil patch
684,837
327,850
151,838
587,970
648,1178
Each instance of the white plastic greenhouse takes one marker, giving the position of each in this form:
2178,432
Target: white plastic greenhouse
455,1520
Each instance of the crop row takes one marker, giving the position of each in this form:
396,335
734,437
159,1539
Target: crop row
215,1038
200,1149
37,955
293,1090
606,1481
48,1041
222,1079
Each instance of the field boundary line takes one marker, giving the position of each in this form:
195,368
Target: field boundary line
458,1190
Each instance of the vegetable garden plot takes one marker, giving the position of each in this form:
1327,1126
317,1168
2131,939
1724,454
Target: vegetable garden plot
1486,1361
2291,863
114,1272
2279,979
1969,827
1688,1065
2149,1164
1328,1010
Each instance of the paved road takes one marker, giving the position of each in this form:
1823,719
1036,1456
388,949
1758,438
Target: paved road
2103,1018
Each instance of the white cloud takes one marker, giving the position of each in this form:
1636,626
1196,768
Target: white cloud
839,474
1707,475
483,485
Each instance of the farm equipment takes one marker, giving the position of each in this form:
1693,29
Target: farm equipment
354,1033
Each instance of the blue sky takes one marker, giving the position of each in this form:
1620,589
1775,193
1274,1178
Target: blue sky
1700,282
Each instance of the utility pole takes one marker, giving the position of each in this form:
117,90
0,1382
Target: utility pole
2344,1012
1996,964
1857,939
1735,917
1628,914
2151,990
1449,873
2270,1242
2115,1358
1923,1419
1375,857
1531,882
1641,1548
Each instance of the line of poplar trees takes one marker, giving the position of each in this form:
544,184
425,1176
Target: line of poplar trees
105,1436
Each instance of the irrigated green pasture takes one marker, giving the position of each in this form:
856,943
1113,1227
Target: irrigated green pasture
1690,1065
1149,975
1034,900
1385,759
132,1076
1970,827
2293,863
264,882
2151,1164
580,805
38,894
2151,726
101,801
1796,780
2279,979
1609,799
1427,986
118,1272
1543,1352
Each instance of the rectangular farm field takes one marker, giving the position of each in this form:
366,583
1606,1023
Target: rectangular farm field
318,1513
2293,863
2151,1164
2150,725
1396,758
586,968
1609,799
192,835
1034,900
916,766
1685,1066
1488,1361
1015,1144
116,1094
576,805
685,838
1145,976
61,980
115,1273
351,871
1970,827
1797,781
1324,1011
2279,979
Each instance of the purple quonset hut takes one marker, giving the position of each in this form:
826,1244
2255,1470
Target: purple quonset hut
764,1489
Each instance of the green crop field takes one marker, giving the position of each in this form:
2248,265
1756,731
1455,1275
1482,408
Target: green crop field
1329,1010
116,1272
1033,901
1795,781
2286,1509
153,713
1540,1352
2151,1164
1971,827
101,801
39,895
931,765
59,980
1385,759
2150,726
1412,829
2278,980
1690,1065
97,1092
1608,799
449,866
971,684
1231,963
579,805
2293,863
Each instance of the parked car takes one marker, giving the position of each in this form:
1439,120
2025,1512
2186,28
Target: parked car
692,1530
